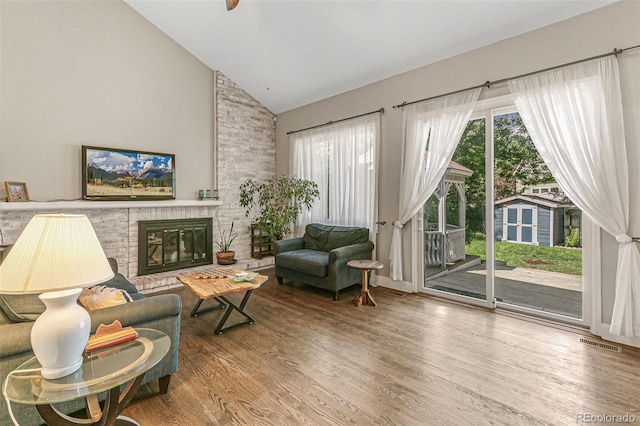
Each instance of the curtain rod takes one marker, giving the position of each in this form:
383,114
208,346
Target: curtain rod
381,110
488,84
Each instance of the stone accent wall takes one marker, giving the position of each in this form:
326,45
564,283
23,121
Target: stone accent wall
111,226
246,133
117,231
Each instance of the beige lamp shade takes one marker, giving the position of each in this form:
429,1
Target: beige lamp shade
54,252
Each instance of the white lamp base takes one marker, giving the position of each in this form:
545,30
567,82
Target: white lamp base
60,334
56,373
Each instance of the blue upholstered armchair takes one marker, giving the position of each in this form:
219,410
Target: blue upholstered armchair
320,257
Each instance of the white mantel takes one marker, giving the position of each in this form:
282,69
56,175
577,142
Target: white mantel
87,204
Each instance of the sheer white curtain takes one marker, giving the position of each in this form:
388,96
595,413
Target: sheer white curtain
574,117
342,159
440,122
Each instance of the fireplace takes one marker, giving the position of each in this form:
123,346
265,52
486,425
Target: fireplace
167,245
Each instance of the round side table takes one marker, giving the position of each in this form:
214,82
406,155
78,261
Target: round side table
365,265
104,370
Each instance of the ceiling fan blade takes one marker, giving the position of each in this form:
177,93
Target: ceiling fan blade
232,3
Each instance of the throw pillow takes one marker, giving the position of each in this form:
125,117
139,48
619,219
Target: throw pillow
100,296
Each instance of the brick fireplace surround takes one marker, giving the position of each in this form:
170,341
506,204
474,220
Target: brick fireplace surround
116,225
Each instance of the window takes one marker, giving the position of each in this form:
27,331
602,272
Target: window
342,159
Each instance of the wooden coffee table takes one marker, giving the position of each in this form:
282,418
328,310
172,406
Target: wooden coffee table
215,284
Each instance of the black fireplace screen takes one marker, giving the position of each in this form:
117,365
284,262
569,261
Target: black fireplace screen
167,245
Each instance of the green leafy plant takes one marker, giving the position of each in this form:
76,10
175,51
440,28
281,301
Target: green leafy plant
573,239
225,240
278,202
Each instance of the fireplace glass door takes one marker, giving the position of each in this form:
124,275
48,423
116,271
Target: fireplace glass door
170,245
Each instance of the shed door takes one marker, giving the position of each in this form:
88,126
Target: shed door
521,224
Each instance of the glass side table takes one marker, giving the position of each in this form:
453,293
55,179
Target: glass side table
103,370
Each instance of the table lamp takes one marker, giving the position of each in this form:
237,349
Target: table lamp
55,255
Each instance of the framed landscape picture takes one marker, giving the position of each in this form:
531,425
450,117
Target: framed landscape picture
121,174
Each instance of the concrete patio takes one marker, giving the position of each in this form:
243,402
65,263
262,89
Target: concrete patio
542,290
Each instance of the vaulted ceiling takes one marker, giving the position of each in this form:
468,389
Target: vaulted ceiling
288,53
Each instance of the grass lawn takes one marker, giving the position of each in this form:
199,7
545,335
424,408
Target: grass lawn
555,259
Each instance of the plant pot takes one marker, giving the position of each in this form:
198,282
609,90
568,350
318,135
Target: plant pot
226,258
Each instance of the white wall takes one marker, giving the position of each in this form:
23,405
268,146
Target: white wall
96,73
594,33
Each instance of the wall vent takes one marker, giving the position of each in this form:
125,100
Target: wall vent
395,292
595,343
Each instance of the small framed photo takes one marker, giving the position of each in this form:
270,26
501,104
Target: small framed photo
16,191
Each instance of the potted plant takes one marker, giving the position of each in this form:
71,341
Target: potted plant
278,202
225,255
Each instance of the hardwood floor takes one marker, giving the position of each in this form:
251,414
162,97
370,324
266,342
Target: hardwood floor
411,360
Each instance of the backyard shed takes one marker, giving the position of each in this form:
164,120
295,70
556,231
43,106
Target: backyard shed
530,219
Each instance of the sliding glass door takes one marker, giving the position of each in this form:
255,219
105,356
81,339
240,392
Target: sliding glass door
538,264
499,230
454,237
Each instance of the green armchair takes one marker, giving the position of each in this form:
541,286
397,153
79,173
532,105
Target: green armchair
320,257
